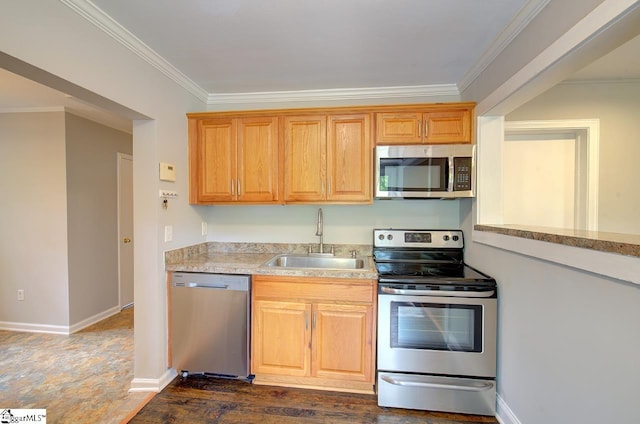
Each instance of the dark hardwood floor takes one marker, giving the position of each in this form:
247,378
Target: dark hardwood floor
200,399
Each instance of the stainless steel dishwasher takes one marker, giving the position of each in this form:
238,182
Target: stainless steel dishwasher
210,329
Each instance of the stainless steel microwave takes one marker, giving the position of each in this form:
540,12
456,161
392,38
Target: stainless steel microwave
425,171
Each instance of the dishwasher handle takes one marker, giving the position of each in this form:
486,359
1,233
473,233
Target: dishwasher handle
200,285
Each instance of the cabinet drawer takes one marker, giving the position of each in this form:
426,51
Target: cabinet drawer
309,288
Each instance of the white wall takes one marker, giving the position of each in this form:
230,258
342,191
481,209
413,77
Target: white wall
33,221
53,37
617,106
567,339
92,216
60,177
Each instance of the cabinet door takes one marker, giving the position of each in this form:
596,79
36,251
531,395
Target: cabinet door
257,145
342,342
449,126
281,338
349,158
399,128
216,164
305,147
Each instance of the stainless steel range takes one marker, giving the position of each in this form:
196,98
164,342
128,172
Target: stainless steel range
437,323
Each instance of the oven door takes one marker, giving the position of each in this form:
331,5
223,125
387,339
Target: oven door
437,335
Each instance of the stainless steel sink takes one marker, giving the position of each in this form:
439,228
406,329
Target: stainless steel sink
323,262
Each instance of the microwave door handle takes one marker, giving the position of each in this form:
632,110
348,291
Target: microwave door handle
451,174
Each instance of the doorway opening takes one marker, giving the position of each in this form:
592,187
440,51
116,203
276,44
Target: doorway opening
550,173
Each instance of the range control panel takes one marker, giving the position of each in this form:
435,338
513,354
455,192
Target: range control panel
418,238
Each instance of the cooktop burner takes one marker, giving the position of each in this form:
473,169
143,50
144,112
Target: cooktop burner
426,258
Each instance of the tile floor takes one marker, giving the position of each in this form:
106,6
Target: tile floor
80,378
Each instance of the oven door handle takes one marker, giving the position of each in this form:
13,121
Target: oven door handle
450,293
476,387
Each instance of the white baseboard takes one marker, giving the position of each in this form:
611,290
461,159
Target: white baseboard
94,319
504,414
153,384
58,329
34,328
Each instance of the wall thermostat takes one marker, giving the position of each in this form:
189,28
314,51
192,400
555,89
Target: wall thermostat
167,172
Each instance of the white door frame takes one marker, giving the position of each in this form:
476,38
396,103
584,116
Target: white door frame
587,136
120,157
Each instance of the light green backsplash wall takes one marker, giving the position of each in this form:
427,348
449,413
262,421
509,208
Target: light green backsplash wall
343,224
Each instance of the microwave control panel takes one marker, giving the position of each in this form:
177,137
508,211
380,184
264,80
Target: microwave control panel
461,173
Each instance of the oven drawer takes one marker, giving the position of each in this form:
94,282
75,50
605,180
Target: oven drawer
435,393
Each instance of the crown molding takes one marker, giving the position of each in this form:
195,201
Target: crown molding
418,91
107,24
524,17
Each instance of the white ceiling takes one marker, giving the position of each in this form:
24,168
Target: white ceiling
240,46
258,46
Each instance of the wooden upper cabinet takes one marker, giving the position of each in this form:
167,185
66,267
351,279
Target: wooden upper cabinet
216,160
314,155
305,150
398,128
441,126
234,160
327,158
447,126
349,157
257,152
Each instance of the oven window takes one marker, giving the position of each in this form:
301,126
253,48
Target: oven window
413,174
434,326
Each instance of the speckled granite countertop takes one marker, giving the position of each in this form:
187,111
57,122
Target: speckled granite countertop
249,258
622,244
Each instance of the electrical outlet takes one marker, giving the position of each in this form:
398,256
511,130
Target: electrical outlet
168,233
20,294
204,228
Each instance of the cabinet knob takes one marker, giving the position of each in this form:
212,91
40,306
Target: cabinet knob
126,240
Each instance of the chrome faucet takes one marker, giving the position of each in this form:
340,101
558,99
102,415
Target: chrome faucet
319,233
319,230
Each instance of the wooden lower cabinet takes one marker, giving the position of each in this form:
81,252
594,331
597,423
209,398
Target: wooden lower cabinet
281,338
305,334
341,342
